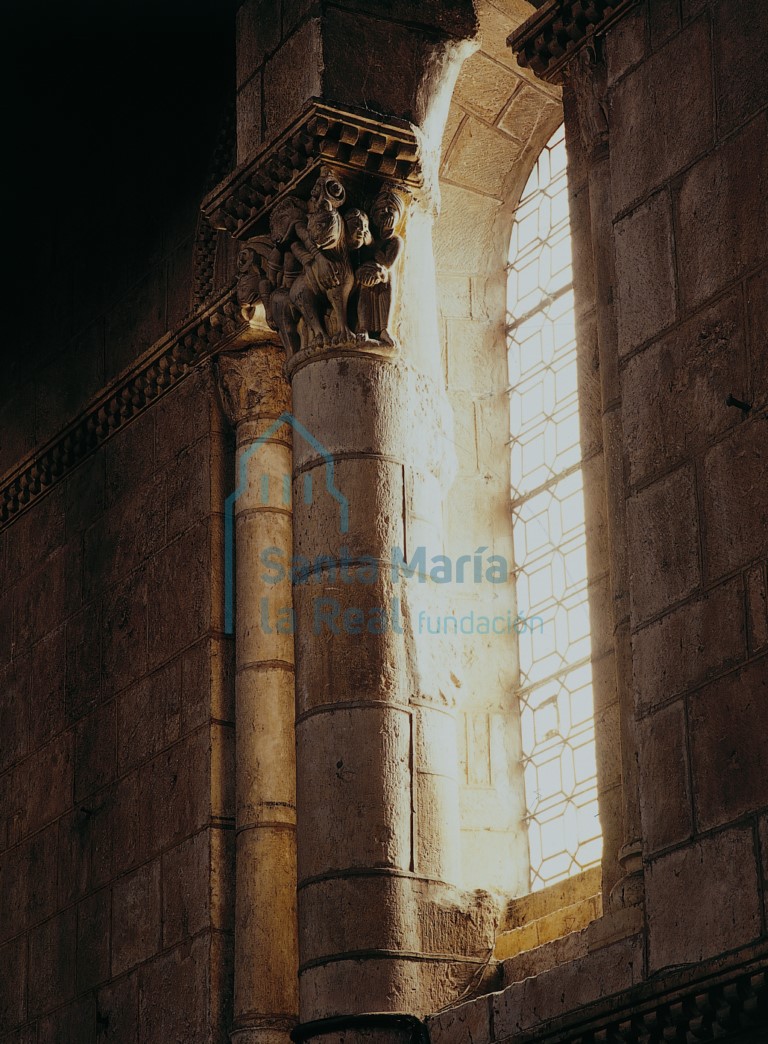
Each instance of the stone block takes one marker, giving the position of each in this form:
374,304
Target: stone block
51,772
468,1022
674,393
126,817
207,685
136,917
175,793
481,158
76,1022
257,28
757,304
222,880
185,415
292,76
483,88
454,296
95,751
358,784
135,322
125,536
82,689
645,272
183,975
37,859
741,71
179,593
663,551
117,1012
626,43
13,984
17,423
37,533
52,963
85,493
85,847
728,723
529,117
14,711
665,798
149,717
189,487
124,633
93,939
47,714
702,899
249,117
721,213
295,11
43,599
475,360
663,20
464,230
757,608
674,126
735,500
359,481
186,879
129,457
704,637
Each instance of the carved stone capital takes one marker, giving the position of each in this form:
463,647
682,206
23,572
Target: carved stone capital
350,141
559,29
253,384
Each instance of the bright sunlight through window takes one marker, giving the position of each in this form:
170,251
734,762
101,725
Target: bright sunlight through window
549,532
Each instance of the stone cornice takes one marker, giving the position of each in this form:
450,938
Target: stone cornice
550,38
714,1008
359,142
203,333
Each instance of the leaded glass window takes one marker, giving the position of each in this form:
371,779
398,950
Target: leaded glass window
555,692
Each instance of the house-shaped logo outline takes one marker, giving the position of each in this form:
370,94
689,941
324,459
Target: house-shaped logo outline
229,503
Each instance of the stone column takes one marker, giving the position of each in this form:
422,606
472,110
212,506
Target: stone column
256,396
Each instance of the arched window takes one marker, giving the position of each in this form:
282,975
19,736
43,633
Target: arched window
555,686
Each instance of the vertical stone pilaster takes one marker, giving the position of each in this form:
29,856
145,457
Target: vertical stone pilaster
256,396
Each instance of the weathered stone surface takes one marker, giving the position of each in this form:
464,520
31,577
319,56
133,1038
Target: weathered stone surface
75,1022
94,939
292,76
626,45
136,917
54,763
757,303
124,632
95,754
735,500
249,118
757,608
463,209
481,158
740,73
728,721
665,802
645,271
181,973
117,1010
483,88
720,214
181,775
702,899
14,711
675,126
83,682
149,717
258,34
675,392
52,962
179,594
46,707
85,493
135,322
129,457
705,636
186,881
664,554
663,19
470,1021
13,983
